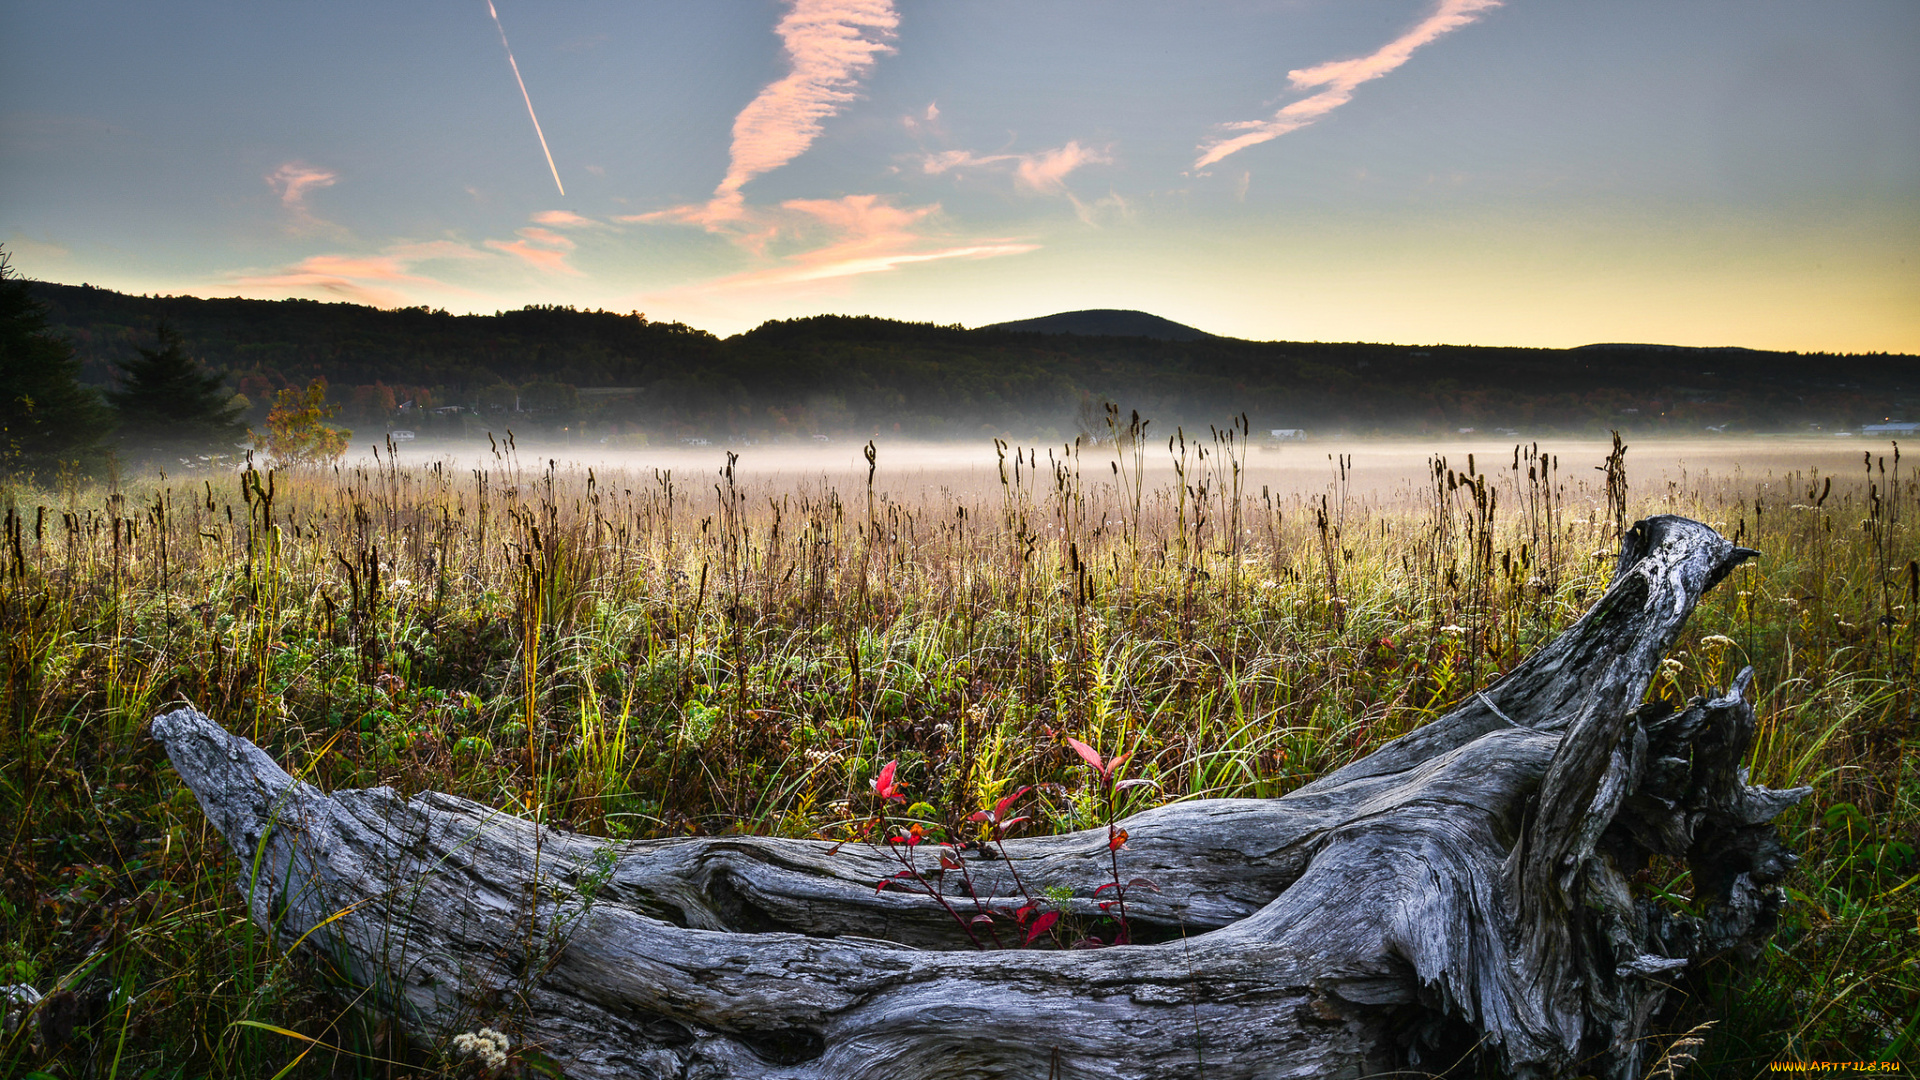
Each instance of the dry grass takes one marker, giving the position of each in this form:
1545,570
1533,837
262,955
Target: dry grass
646,653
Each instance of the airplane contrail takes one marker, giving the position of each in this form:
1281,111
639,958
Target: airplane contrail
524,96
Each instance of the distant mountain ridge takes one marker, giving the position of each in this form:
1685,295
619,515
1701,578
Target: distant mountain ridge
1666,348
1106,322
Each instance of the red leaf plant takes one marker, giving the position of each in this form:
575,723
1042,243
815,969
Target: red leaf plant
995,823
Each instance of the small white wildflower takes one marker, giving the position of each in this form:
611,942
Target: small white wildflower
488,1046
1721,640
1450,630
1672,668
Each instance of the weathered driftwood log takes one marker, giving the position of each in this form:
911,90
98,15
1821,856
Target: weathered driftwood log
1461,895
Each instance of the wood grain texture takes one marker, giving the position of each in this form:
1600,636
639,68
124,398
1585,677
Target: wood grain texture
1462,894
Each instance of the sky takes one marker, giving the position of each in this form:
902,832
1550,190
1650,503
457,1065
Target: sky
1490,172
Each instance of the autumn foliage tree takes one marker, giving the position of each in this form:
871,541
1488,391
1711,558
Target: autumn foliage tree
297,431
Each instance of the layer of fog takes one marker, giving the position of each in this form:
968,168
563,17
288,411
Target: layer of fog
1381,471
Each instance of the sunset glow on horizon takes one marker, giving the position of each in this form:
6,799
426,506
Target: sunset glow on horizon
1491,172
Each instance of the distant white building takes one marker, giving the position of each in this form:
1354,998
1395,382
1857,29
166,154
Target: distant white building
1288,434
1896,427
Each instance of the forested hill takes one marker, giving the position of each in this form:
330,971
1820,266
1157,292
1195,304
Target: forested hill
1107,322
855,375
293,340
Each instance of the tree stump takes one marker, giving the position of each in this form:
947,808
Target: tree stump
1459,898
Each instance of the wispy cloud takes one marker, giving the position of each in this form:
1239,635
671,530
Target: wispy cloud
1110,205
847,237
1338,79
293,181
1046,172
419,251
1043,172
926,121
542,249
35,250
362,279
365,279
548,238
567,219
830,44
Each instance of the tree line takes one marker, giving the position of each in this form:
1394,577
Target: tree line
163,405
605,374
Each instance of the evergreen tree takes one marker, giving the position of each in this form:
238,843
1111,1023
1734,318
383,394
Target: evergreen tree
170,401
48,419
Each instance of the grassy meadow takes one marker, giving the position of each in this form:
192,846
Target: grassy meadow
634,651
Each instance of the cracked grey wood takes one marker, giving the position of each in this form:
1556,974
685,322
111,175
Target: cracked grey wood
1464,886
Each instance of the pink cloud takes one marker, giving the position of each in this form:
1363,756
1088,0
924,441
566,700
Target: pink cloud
344,276
848,237
547,238
543,258
830,44
929,119
376,267
566,219
1043,172
1046,172
826,264
430,250
1340,78
943,161
294,179
863,218
364,279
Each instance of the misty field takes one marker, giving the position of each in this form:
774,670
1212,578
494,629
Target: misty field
693,644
